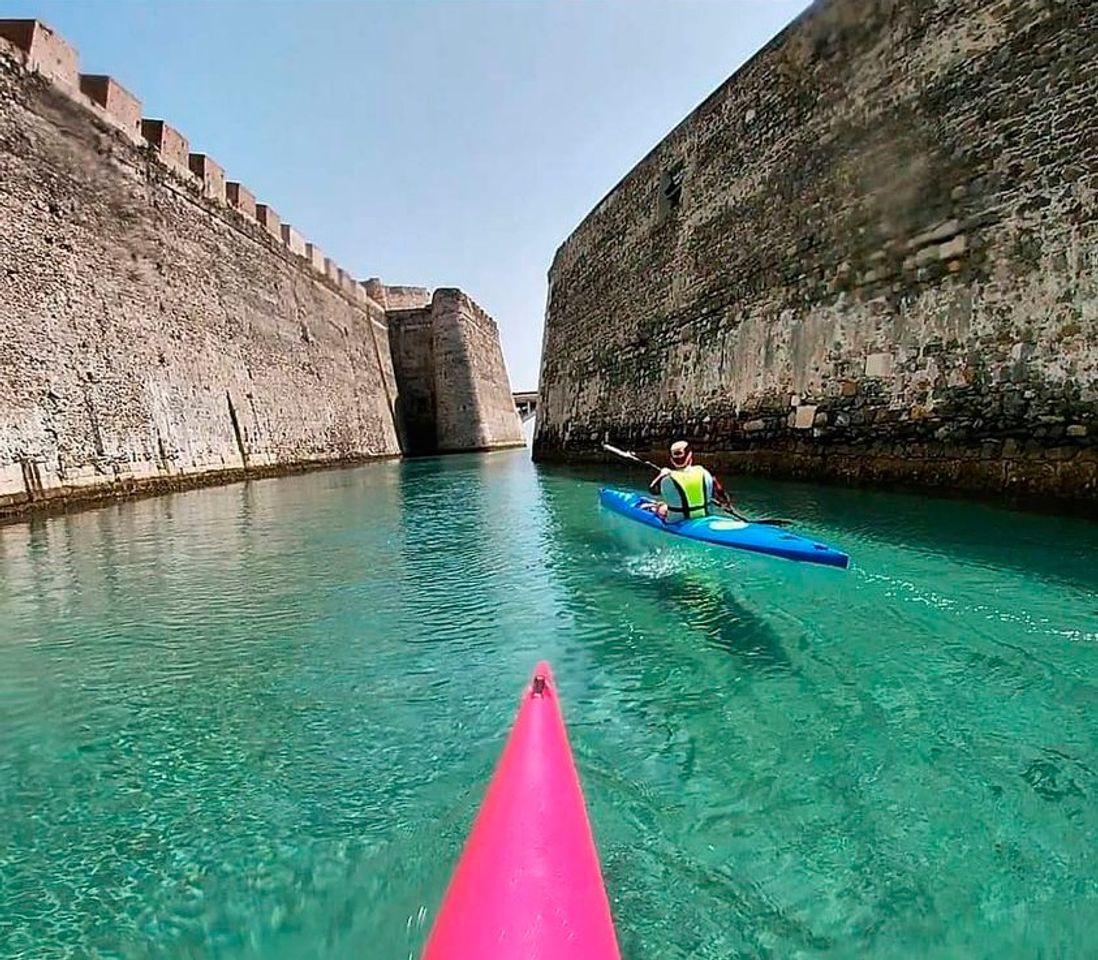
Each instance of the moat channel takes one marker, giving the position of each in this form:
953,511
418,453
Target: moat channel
257,720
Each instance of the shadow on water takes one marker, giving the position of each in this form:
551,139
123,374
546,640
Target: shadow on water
693,597
708,608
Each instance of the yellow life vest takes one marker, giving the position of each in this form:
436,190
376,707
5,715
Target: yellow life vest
691,487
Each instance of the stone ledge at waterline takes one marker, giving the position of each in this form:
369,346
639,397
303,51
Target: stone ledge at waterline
155,334
870,255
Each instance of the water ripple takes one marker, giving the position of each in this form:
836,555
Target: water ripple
256,721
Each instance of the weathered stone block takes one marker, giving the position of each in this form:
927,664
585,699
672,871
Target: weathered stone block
806,416
926,255
121,106
211,174
878,365
11,481
400,297
347,283
375,290
240,198
44,50
268,220
170,145
954,248
293,240
942,231
315,256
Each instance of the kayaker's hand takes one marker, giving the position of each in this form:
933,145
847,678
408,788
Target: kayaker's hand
654,486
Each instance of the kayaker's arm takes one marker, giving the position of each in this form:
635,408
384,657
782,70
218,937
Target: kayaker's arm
720,496
654,486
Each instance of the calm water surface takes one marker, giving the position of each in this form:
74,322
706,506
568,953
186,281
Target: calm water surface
256,721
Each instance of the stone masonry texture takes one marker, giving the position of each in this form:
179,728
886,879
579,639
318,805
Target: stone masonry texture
411,339
455,393
474,406
870,255
153,335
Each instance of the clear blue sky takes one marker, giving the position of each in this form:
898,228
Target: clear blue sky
444,143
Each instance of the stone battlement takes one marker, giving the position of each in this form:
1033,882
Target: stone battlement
397,298
160,328
446,355
41,50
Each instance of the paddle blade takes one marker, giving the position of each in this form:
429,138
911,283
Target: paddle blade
620,453
630,456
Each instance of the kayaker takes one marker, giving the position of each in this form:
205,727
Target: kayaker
687,488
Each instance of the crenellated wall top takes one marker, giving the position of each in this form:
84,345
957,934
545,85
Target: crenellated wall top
41,50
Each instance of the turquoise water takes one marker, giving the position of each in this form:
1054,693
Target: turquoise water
256,721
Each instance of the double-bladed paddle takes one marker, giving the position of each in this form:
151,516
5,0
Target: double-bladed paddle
629,455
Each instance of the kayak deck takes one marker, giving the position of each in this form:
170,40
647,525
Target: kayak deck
528,885
725,531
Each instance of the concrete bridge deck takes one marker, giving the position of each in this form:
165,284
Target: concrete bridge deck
526,402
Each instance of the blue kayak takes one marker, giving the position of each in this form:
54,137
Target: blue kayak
724,531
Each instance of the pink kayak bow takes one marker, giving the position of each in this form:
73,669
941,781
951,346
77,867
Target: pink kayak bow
528,884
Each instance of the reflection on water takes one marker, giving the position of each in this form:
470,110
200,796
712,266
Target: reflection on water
256,721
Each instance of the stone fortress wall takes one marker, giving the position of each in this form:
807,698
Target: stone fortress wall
871,254
160,327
